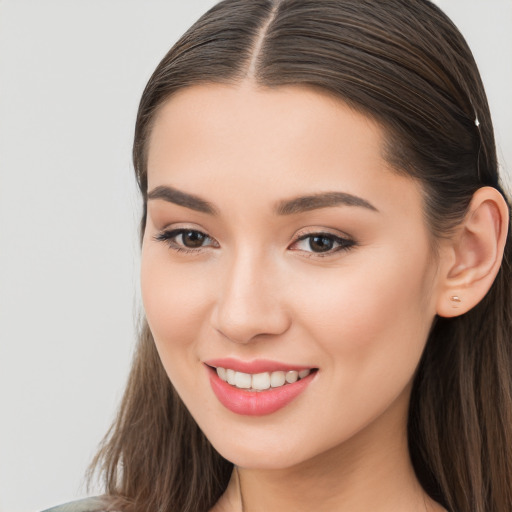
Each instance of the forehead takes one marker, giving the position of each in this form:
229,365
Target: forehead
258,125
249,106
275,142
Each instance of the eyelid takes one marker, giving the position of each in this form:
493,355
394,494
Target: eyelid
345,241
167,235
318,230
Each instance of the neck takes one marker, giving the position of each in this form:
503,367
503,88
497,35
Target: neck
355,481
371,471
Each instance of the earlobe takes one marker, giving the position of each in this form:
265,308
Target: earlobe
473,256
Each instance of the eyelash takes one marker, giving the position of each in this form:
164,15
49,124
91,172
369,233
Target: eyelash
169,236
344,244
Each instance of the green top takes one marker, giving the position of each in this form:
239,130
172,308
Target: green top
85,505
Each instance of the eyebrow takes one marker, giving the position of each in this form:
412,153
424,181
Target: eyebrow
172,195
321,200
286,207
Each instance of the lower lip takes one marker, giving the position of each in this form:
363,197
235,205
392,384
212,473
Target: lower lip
256,403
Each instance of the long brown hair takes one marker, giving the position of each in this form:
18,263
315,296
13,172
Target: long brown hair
404,64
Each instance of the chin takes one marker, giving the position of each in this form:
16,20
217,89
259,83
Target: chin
263,451
261,460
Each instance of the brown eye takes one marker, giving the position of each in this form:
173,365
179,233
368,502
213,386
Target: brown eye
193,239
321,243
186,239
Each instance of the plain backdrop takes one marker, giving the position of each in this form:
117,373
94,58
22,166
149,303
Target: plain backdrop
71,75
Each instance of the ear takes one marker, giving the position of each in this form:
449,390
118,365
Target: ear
472,258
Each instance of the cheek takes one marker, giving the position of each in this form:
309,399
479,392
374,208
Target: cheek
174,300
372,321
174,303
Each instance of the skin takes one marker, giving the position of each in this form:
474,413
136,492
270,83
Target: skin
361,315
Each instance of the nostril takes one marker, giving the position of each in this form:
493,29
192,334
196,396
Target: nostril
249,306
245,329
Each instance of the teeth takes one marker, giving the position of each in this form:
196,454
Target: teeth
243,380
221,372
292,376
260,381
277,379
230,376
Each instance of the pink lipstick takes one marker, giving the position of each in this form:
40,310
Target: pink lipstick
258,387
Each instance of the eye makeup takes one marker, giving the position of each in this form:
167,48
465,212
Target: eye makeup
314,244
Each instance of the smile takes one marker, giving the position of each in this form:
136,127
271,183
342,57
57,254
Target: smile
260,381
259,392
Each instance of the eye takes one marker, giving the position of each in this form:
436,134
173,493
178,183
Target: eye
322,243
183,239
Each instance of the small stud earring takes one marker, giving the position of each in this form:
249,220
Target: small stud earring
456,300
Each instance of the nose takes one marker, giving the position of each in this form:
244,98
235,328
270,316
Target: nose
250,302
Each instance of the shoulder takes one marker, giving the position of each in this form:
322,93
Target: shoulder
95,504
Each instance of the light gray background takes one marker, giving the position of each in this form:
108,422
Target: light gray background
71,74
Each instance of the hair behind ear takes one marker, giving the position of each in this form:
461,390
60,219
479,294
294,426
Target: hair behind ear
460,420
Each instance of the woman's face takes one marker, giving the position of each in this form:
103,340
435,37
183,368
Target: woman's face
278,240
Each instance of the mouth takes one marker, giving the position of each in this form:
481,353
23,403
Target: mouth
256,382
259,393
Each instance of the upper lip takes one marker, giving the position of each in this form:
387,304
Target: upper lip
254,366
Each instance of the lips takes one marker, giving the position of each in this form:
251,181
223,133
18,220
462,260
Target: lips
258,387
256,366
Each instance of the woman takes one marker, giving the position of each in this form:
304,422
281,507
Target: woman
325,270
